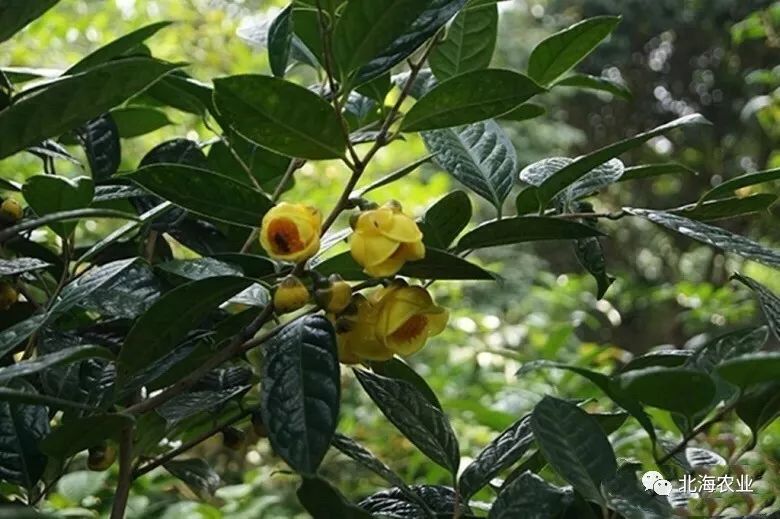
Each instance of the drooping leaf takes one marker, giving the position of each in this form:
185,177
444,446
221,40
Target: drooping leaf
204,192
479,155
522,229
323,501
280,36
445,219
15,15
281,116
22,426
116,48
100,140
247,163
759,407
468,98
424,425
76,435
727,187
393,503
726,207
590,254
74,100
171,317
661,387
625,495
196,474
50,194
529,497
400,370
501,453
377,88
572,172
600,84
13,267
558,53
129,295
471,39
655,170
665,357
200,268
187,405
714,236
751,369
770,303
301,392
601,176
524,112
134,121
364,457
574,444
64,356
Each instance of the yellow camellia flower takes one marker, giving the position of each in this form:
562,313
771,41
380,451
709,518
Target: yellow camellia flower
8,295
407,317
101,458
291,232
11,210
335,296
385,239
290,295
394,320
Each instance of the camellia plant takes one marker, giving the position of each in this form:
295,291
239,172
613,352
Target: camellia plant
130,349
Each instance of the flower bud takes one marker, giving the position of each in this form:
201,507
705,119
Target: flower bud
258,425
290,295
101,457
10,210
8,295
233,439
291,232
335,296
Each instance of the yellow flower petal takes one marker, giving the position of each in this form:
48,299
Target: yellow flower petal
402,228
370,250
387,268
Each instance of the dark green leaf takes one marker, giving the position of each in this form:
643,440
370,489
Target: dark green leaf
521,229
751,369
574,444
252,266
116,48
13,267
100,140
79,434
728,187
364,457
770,303
655,170
25,397
134,121
265,167
437,264
529,497
204,192
64,356
468,98
727,207
661,387
526,201
400,370
129,295
65,104
590,254
445,219
524,112
14,14
280,116
50,194
22,426
170,319
759,407
392,177
601,84
569,174
377,88
301,392
200,268
471,39
280,35
415,32
196,474
558,53
501,453
625,495
187,405
479,155
667,358
393,503
323,501
424,425
601,176
714,236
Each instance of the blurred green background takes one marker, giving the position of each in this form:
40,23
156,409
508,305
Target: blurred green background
717,57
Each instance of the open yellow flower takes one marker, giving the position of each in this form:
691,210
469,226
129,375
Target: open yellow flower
291,232
407,317
385,239
356,334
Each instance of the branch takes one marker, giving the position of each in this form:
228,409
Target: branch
125,474
695,432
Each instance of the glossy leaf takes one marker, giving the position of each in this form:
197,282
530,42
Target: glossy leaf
66,103
128,295
15,266
168,321
727,207
64,356
197,474
479,155
501,453
661,387
558,53
79,434
281,116
187,405
655,170
524,112
522,229
364,457
424,425
574,445
600,84
301,392
15,15
22,426
625,495
714,236
445,219
204,192
400,370
769,301
280,36
529,497
323,501
100,140
599,177
49,194
200,268
470,42
759,407
134,121
590,254
727,187
751,369
468,98
440,500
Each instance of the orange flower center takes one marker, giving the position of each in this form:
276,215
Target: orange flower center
284,235
411,329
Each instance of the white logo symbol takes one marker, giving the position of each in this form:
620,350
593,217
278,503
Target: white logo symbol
655,481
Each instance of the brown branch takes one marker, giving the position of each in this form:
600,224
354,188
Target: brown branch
125,474
695,432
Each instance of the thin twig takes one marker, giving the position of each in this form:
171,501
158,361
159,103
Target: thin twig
695,432
576,216
125,473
